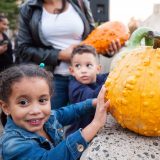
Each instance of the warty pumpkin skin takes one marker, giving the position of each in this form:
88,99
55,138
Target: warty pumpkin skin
102,36
134,91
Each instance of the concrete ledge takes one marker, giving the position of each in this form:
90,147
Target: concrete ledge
115,143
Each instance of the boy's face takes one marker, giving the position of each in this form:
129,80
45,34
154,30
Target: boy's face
84,68
29,104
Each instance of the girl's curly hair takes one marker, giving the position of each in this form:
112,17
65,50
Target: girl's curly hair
14,74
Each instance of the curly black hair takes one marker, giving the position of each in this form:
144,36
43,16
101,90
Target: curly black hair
14,74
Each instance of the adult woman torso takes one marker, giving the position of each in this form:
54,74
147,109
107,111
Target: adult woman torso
48,31
62,31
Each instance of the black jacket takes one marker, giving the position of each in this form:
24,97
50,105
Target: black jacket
32,47
6,59
79,92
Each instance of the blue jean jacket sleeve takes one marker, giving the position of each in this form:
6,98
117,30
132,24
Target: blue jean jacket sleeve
67,115
18,148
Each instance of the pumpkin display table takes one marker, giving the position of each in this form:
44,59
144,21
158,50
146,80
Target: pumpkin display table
116,143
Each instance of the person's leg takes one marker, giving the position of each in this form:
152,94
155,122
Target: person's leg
60,92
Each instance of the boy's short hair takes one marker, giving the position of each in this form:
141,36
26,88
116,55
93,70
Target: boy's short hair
83,48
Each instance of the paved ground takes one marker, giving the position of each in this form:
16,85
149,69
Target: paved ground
115,143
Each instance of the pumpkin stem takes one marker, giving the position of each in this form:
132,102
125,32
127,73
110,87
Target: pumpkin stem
149,38
138,35
156,38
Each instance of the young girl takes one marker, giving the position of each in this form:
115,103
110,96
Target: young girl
33,131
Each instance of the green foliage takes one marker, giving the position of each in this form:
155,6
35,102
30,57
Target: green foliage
10,9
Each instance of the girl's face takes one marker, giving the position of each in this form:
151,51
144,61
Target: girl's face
29,104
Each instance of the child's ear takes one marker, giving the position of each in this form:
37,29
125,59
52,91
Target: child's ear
4,107
99,68
71,70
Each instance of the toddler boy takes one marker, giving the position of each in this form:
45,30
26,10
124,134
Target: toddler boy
86,80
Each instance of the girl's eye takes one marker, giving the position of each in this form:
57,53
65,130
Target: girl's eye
89,65
43,100
77,65
23,102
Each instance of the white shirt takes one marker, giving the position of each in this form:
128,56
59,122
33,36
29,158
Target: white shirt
62,30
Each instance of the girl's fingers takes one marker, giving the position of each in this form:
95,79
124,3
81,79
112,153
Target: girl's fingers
107,105
102,94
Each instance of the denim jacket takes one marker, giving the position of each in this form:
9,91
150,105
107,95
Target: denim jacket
19,144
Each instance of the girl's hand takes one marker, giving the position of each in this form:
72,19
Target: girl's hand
99,119
114,47
101,109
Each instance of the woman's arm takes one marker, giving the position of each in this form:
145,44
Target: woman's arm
89,14
28,49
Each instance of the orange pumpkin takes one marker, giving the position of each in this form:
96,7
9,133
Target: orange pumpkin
134,91
101,37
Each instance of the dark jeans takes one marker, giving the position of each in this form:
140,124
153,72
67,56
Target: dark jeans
60,91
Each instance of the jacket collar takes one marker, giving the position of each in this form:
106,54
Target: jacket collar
11,126
35,3
39,3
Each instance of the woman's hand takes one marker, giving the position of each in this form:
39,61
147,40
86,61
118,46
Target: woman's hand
65,55
3,48
114,47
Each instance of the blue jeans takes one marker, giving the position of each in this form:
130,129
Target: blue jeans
60,91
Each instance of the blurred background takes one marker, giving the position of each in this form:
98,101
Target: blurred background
103,10
129,12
